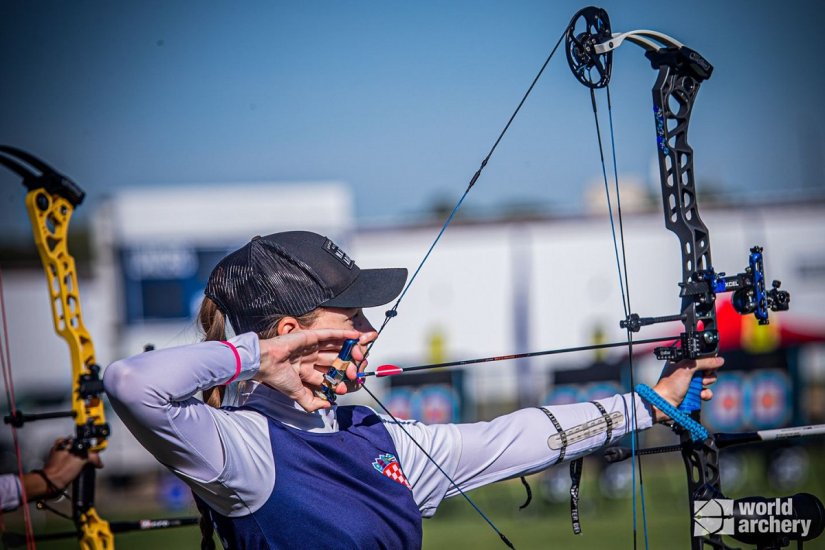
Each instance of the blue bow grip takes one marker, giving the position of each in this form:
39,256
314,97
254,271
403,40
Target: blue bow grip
693,399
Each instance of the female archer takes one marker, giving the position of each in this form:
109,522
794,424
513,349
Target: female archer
280,466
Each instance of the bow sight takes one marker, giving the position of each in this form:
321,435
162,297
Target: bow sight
749,297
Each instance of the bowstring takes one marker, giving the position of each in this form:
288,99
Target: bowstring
634,438
621,268
393,312
5,364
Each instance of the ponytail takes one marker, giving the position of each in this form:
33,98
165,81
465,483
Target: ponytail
207,529
212,322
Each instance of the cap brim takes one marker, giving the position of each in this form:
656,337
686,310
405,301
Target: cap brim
372,287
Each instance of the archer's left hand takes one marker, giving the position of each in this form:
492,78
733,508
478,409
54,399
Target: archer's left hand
675,379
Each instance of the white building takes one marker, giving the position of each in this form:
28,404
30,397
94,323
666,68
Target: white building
492,288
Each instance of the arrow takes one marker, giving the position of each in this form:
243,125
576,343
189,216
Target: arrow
393,370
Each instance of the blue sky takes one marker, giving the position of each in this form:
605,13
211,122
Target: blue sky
401,100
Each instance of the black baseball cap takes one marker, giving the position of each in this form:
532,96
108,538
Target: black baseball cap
292,273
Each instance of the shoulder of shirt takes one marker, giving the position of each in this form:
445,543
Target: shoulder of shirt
236,415
390,421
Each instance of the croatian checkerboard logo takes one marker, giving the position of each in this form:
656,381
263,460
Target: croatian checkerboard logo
388,465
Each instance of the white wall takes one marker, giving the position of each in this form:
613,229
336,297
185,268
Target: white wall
464,291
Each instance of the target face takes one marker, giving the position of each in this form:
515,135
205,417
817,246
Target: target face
768,400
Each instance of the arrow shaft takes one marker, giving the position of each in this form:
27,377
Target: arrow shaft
516,356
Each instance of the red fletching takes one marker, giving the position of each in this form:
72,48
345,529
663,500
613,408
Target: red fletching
388,370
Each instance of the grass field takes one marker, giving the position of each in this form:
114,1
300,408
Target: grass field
606,523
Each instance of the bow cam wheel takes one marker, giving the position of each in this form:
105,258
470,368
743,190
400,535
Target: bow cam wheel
590,26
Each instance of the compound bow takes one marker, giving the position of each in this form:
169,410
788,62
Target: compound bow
589,45
50,202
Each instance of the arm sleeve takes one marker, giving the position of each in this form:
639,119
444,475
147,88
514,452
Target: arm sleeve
9,492
509,446
220,454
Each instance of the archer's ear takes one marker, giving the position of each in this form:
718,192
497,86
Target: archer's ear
287,325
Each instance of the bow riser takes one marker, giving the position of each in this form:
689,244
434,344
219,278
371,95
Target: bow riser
702,466
50,214
676,168
674,93
50,217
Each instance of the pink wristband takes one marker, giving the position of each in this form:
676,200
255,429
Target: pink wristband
237,362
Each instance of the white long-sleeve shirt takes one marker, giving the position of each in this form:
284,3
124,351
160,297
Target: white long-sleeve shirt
10,493
225,456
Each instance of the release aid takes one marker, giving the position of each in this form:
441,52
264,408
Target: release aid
337,372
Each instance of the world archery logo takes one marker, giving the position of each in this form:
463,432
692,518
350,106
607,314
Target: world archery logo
712,517
721,516
388,465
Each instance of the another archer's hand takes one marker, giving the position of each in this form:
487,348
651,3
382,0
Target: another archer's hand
63,465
